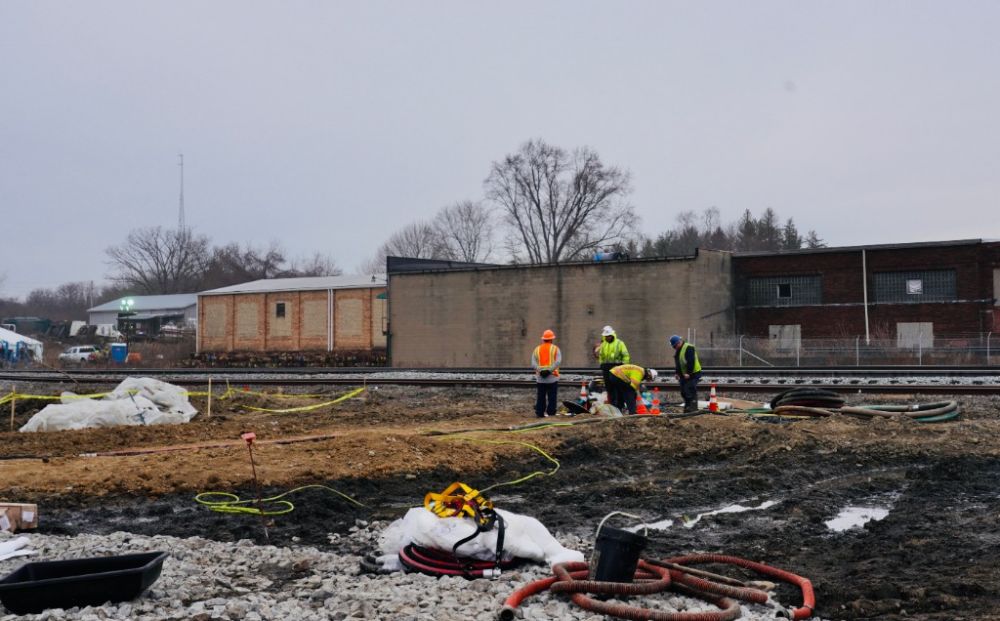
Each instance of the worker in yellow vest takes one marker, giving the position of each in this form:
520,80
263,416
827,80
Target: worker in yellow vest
546,360
688,371
627,379
610,353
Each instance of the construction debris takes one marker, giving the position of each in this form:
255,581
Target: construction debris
136,401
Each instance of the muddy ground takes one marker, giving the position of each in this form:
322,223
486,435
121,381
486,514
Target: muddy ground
933,557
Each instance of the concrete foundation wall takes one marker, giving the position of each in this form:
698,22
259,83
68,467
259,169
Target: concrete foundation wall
495,317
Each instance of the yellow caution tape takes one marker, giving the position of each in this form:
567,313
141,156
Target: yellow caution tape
306,408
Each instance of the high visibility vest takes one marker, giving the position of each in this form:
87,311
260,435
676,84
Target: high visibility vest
682,359
546,353
630,373
615,351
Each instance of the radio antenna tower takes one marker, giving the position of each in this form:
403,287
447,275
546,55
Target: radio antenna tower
180,210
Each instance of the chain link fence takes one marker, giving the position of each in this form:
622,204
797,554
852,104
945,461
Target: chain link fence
962,350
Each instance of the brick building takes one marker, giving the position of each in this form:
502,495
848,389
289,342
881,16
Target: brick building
907,292
333,313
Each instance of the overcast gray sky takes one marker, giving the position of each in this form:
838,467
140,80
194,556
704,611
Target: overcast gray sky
327,125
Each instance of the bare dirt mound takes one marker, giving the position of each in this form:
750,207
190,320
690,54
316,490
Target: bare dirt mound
931,557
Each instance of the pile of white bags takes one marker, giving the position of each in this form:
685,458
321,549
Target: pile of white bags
136,401
524,537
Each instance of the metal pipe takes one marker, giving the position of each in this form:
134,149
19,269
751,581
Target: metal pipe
857,351
864,286
741,350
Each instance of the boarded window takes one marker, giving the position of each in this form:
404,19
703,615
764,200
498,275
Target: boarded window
246,320
783,291
314,318
279,309
914,287
915,335
785,336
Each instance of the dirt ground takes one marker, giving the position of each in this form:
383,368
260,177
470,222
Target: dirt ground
932,558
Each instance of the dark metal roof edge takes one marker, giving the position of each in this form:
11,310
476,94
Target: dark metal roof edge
834,249
486,267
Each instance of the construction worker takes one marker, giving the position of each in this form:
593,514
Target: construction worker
626,378
687,371
546,360
610,353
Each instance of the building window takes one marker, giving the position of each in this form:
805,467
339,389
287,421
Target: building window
279,309
783,291
914,287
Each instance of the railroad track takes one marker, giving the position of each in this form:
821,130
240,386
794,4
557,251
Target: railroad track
849,380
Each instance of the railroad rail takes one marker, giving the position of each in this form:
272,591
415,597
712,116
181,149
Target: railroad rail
883,380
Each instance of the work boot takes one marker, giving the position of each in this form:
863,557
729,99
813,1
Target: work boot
690,406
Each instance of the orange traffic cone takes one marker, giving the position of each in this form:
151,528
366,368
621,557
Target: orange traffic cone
640,404
656,402
584,396
713,402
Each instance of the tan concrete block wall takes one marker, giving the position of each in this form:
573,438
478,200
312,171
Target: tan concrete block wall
352,319
214,322
281,332
495,317
250,321
314,325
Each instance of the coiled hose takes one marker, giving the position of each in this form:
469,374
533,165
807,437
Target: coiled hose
657,576
938,411
438,563
808,397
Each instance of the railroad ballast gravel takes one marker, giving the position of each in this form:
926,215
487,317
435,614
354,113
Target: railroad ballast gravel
204,579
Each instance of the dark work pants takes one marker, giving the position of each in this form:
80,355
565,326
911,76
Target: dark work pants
545,402
608,386
624,394
689,391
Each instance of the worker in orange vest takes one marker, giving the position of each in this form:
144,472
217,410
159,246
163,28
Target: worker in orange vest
546,360
626,380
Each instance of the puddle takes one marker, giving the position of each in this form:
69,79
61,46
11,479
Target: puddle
690,522
855,517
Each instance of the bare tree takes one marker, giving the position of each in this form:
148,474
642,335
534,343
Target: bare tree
466,229
558,204
418,240
235,263
317,265
156,260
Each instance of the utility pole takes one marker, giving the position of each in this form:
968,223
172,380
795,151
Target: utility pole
180,211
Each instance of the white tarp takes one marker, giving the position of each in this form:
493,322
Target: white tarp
524,537
136,401
13,338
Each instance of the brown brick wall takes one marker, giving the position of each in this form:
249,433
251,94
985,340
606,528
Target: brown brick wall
842,311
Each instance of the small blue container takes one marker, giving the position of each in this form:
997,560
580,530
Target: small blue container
119,352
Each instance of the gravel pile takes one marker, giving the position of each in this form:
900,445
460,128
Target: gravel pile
205,579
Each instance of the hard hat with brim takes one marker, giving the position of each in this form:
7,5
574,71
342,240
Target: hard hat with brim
608,331
548,335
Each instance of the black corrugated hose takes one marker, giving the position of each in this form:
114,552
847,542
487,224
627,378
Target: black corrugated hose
808,397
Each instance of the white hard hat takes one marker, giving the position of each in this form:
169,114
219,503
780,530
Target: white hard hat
607,331
652,373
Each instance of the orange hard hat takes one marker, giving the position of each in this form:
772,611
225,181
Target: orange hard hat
548,335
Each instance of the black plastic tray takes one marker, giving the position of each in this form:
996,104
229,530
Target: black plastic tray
33,587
